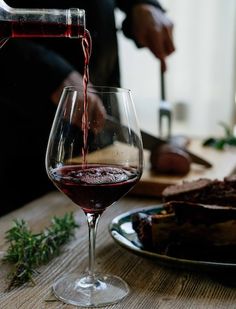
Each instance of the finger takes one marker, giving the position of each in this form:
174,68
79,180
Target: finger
169,47
154,42
156,45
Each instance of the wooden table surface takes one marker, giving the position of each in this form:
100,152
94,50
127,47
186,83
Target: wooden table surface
152,285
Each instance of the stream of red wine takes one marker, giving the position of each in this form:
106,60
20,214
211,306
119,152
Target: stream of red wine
87,49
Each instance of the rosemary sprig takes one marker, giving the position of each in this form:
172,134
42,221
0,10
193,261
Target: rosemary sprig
27,251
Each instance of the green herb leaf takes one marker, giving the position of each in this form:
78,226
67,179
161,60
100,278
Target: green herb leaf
27,251
220,143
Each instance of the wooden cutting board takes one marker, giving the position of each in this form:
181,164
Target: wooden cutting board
224,164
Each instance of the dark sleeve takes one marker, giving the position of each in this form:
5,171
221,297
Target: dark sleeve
126,6
25,63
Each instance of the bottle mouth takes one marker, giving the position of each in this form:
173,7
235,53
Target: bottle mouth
77,22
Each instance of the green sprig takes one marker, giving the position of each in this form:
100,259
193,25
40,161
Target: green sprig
27,251
220,143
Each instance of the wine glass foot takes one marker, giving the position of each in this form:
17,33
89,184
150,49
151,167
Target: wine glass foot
87,291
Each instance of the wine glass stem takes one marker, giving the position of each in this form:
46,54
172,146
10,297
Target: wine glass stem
92,219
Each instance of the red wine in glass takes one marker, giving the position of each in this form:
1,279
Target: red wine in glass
94,187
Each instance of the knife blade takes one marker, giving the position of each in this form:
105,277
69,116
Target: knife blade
149,141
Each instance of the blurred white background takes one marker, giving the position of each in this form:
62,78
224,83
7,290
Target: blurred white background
201,73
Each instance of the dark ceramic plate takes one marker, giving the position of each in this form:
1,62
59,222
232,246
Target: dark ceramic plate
122,232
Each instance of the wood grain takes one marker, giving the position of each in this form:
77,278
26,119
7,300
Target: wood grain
152,285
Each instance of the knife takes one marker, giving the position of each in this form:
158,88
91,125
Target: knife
149,141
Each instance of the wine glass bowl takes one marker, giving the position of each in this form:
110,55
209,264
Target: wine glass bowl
94,161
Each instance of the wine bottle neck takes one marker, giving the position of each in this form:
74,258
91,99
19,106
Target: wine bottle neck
43,22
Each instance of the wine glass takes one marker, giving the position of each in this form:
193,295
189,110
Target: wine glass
94,164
